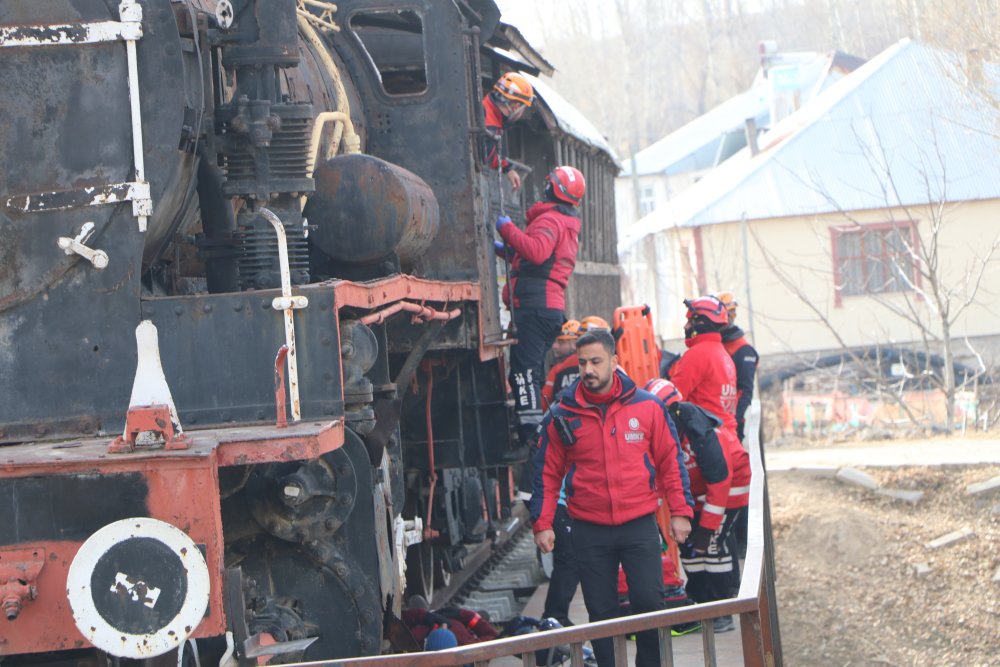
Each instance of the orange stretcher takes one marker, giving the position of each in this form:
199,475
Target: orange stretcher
637,351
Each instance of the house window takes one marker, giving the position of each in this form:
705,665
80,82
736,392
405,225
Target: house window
394,43
874,259
647,201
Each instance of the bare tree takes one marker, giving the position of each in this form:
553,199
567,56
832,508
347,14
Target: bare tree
919,283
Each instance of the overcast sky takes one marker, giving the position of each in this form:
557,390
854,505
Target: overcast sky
526,14
523,15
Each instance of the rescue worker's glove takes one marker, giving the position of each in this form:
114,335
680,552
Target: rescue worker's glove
503,220
700,538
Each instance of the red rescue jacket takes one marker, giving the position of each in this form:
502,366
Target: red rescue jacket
544,256
705,376
621,462
494,132
719,472
467,626
560,376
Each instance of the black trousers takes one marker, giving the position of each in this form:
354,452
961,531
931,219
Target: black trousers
565,577
715,574
537,329
599,550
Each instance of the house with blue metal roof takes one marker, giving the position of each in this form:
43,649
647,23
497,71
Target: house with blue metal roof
855,222
658,173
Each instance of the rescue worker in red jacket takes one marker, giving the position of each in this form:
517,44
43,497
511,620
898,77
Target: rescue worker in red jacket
744,357
714,470
510,98
566,369
544,255
705,375
617,450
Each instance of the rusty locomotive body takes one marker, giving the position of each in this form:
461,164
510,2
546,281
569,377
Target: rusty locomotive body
250,234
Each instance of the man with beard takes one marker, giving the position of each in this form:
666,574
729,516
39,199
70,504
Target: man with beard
616,448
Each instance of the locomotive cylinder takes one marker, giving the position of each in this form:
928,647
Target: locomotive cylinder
365,208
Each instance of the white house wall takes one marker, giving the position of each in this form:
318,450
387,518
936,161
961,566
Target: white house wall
792,279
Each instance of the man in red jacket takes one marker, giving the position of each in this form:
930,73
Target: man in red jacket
511,96
616,448
705,375
714,471
544,255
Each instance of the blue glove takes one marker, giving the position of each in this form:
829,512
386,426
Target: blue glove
503,220
501,249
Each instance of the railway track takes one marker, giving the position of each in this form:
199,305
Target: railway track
500,580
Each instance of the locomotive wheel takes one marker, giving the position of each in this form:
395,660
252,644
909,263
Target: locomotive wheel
442,577
310,561
420,571
332,598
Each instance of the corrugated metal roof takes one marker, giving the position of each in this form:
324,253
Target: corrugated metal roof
569,119
701,135
910,112
693,146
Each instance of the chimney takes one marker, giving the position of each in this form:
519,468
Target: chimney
974,67
751,132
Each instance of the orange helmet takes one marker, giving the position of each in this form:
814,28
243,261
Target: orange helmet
516,88
664,390
708,308
727,299
570,330
592,322
567,184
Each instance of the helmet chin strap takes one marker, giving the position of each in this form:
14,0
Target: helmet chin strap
514,111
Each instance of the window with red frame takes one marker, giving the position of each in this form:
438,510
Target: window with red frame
874,259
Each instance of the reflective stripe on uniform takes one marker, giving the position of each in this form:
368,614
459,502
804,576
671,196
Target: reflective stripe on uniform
714,509
739,490
529,417
708,563
714,568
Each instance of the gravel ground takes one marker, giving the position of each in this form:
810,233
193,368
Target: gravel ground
848,590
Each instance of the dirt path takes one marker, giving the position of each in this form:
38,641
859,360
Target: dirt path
848,592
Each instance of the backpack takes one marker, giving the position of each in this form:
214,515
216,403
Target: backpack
523,625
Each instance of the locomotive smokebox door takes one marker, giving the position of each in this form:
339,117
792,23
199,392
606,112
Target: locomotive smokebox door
138,588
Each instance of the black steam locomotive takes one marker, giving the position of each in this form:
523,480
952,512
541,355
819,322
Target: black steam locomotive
251,345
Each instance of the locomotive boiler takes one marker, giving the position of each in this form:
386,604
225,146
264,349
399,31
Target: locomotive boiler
251,344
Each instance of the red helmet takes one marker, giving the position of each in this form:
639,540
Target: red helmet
568,184
709,308
664,390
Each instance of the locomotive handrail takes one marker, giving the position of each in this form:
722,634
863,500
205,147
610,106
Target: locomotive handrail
287,303
755,604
